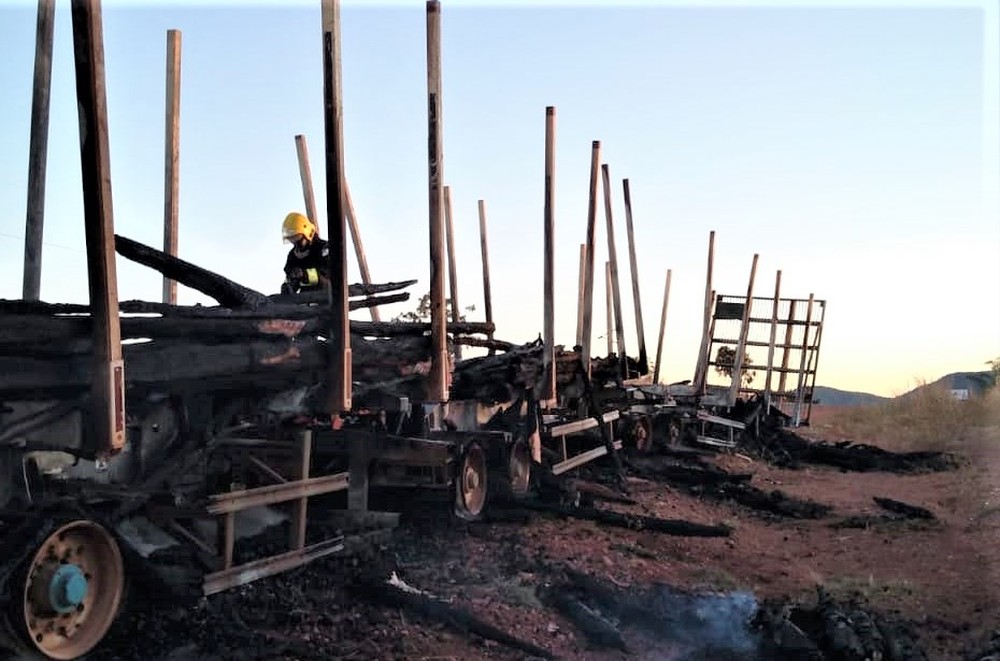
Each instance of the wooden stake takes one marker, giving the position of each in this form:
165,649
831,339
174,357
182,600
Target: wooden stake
484,247
340,336
300,507
701,370
581,289
613,254
305,175
786,355
172,157
588,283
734,387
108,387
663,325
802,362
437,388
38,150
636,299
609,310
814,358
774,333
359,248
449,227
548,214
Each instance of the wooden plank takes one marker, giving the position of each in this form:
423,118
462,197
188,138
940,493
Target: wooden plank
701,369
663,325
456,309
549,286
726,422
108,385
484,248
609,315
577,426
588,304
305,174
437,384
171,157
636,298
359,248
339,368
799,388
38,150
734,387
786,355
773,337
616,296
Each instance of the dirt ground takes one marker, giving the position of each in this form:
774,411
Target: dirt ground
941,576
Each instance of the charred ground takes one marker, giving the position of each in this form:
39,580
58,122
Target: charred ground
813,566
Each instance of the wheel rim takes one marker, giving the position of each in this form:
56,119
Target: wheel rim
72,590
643,434
471,483
519,468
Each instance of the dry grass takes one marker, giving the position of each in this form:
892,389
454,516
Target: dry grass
927,418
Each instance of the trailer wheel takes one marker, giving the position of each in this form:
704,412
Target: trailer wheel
72,589
519,467
643,434
470,483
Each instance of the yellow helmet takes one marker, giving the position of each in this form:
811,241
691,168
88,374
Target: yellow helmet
295,223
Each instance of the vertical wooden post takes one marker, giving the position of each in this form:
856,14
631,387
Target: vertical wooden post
782,378
340,336
588,283
38,150
437,387
814,357
171,158
359,248
802,362
770,346
616,296
548,215
636,299
300,507
108,386
484,248
708,341
734,387
305,175
701,370
449,227
663,325
609,309
581,289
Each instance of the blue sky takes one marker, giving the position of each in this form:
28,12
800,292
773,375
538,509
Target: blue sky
853,148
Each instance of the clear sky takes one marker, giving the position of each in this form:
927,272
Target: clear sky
854,148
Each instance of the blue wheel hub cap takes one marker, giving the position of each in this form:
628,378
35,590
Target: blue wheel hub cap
67,588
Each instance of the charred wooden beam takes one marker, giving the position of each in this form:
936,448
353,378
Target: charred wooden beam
20,331
631,521
222,289
456,618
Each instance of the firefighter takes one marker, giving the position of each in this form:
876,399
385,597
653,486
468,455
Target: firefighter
307,267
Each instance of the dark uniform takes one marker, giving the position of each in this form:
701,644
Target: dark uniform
304,268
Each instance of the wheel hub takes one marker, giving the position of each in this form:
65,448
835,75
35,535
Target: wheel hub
72,590
67,588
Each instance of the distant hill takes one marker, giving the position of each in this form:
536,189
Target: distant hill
836,397
975,382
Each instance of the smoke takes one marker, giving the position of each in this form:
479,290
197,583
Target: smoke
705,626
